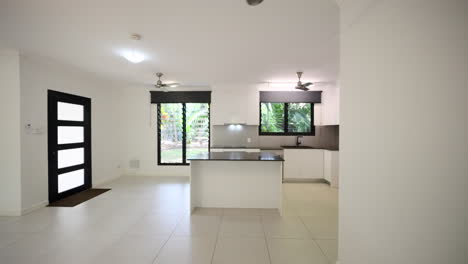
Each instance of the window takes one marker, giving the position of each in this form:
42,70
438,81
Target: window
183,131
286,119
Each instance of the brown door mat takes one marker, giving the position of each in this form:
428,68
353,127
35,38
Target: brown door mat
78,198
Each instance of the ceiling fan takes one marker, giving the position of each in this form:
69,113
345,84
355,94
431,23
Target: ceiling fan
160,85
300,85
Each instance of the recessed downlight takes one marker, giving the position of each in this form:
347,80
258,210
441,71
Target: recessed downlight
132,54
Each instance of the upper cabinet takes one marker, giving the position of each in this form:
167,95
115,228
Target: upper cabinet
232,103
235,104
328,112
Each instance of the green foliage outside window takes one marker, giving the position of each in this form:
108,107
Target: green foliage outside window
273,118
197,131
299,117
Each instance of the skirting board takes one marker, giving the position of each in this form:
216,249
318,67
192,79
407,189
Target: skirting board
10,213
305,181
105,181
34,207
25,210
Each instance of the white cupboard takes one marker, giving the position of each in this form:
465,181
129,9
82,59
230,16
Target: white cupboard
303,164
318,115
327,113
235,104
330,172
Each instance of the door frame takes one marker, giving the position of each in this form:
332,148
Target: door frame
184,133
53,147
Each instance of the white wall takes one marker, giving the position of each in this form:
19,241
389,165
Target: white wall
37,76
10,166
404,133
140,135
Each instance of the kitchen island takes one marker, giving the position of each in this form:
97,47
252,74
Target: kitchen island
236,180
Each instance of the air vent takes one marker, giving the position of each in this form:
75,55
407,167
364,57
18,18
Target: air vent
134,164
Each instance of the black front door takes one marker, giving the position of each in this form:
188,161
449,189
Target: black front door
69,144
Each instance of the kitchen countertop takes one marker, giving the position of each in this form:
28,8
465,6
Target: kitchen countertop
275,148
307,147
237,156
225,147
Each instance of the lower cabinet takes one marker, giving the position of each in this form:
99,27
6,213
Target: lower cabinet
330,172
303,164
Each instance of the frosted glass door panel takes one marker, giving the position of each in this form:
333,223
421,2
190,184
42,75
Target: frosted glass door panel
70,157
70,134
70,112
70,180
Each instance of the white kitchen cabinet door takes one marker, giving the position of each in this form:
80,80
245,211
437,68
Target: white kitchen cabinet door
331,161
330,107
317,114
303,164
327,170
235,104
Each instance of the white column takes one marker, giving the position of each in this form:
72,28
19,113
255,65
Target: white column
10,139
404,132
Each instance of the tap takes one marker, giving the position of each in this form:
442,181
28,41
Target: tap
298,141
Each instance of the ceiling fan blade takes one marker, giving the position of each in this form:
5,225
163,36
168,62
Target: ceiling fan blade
308,84
303,88
173,85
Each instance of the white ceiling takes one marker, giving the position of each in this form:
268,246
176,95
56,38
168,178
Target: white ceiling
191,41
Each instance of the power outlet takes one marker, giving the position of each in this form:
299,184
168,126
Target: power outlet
249,140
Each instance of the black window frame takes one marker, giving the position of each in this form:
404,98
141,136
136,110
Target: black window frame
286,121
184,133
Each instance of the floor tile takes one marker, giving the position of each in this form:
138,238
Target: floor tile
321,227
9,238
330,249
137,245
140,248
246,225
35,245
144,219
198,225
233,250
116,259
159,224
208,211
242,211
295,251
284,227
82,249
270,212
16,259
185,250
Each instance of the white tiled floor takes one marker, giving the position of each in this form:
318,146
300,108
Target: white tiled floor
145,220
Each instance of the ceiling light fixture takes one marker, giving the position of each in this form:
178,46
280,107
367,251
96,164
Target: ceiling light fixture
254,2
133,55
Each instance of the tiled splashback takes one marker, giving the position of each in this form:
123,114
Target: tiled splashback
239,135
234,135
